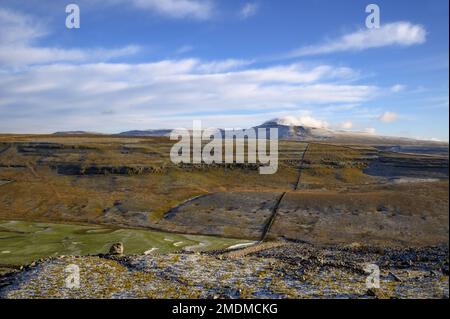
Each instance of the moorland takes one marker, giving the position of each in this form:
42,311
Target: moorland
306,231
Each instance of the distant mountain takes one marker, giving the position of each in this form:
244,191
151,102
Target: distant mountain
306,130
163,132
289,130
76,133
297,132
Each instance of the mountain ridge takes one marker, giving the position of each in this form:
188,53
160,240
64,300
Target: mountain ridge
291,130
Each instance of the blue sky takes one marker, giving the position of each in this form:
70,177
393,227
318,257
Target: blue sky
140,64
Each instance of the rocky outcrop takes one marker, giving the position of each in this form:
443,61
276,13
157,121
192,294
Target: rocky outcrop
116,249
80,169
287,271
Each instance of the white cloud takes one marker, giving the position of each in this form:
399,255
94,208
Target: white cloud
301,121
193,9
388,117
398,88
248,10
64,96
24,55
19,29
397,33
221,66
19,34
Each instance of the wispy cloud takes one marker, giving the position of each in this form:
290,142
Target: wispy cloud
248,10
397,33
19,29
191,9
62,96
19,36
222,65
24,55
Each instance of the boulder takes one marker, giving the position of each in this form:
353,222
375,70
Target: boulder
116,249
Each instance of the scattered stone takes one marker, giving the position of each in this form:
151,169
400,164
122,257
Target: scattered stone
291,270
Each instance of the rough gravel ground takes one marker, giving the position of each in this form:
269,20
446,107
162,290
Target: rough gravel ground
286,271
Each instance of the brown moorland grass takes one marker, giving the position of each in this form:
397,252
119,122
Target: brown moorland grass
112,186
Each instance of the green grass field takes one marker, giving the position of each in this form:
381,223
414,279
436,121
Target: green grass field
23,242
